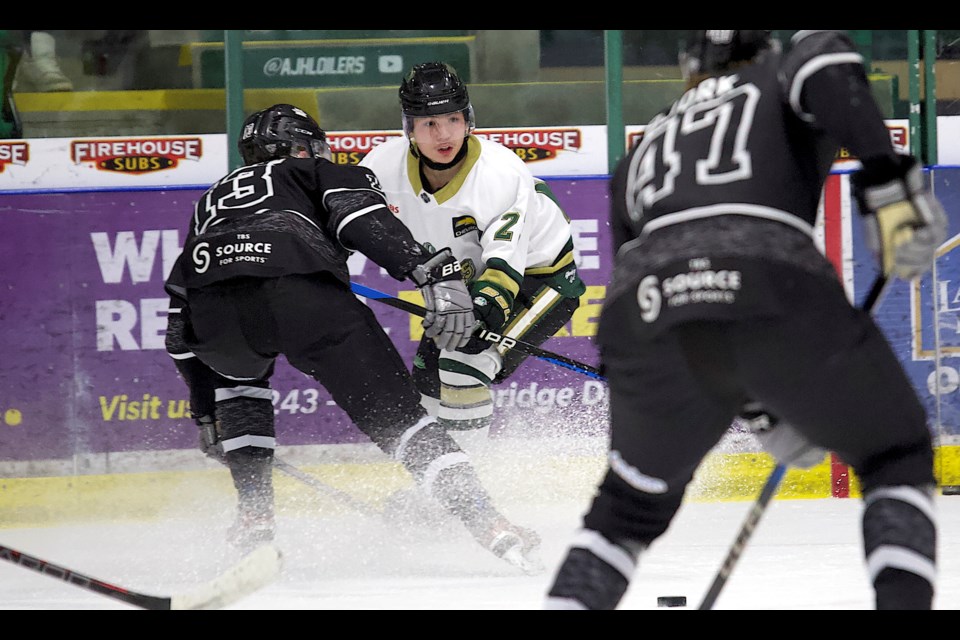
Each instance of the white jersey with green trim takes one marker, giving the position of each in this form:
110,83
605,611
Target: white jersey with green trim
491,209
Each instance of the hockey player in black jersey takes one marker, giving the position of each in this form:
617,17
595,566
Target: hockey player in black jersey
263,272
720,298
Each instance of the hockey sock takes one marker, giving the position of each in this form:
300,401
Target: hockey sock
594,575
252,471
444,471
900,540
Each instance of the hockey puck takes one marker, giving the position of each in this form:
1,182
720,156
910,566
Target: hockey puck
672,601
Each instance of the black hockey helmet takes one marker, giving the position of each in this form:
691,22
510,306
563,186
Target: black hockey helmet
280,131
708,51
433,89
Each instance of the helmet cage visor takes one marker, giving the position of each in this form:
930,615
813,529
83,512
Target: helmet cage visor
410,119
269,137
295,135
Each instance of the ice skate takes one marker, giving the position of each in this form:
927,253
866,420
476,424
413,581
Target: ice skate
250,530
514,544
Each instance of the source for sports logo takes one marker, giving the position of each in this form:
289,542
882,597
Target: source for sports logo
136,156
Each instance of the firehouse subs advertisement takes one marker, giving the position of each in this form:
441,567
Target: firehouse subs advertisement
92,228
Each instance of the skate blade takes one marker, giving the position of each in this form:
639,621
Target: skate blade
530,566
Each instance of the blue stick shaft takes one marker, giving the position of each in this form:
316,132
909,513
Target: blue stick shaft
519,345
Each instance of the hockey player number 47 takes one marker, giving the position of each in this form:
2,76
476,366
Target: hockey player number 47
726,112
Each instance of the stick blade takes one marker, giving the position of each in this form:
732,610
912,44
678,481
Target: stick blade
254,571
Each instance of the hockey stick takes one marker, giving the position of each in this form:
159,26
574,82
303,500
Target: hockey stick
252,572
340,496
746,530
768,491
495,338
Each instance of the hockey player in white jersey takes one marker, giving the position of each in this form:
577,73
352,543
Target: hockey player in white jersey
505,227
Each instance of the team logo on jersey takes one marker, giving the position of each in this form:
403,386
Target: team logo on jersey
463,225
136,156
468,270
701,284
531,145
17,153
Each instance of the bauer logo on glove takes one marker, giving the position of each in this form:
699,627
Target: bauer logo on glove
449,317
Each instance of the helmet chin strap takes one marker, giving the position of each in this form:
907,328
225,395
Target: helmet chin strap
440,166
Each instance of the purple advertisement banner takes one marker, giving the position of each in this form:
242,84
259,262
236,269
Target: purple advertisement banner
83,315
83,319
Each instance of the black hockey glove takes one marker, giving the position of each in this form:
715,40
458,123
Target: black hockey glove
475,344
492,304
449,319
779,439
210,438
905,221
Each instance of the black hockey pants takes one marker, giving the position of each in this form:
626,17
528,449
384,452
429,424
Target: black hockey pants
241,326
823,367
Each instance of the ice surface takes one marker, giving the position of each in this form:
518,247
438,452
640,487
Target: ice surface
805,554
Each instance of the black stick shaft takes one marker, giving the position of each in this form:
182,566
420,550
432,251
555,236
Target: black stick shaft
746,530
83,581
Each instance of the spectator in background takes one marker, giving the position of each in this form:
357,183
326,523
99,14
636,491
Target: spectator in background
38,69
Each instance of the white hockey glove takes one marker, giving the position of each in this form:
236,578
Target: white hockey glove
210,438
780,440
905,223
449,319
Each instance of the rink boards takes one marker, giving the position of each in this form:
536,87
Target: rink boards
520,475
86,380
